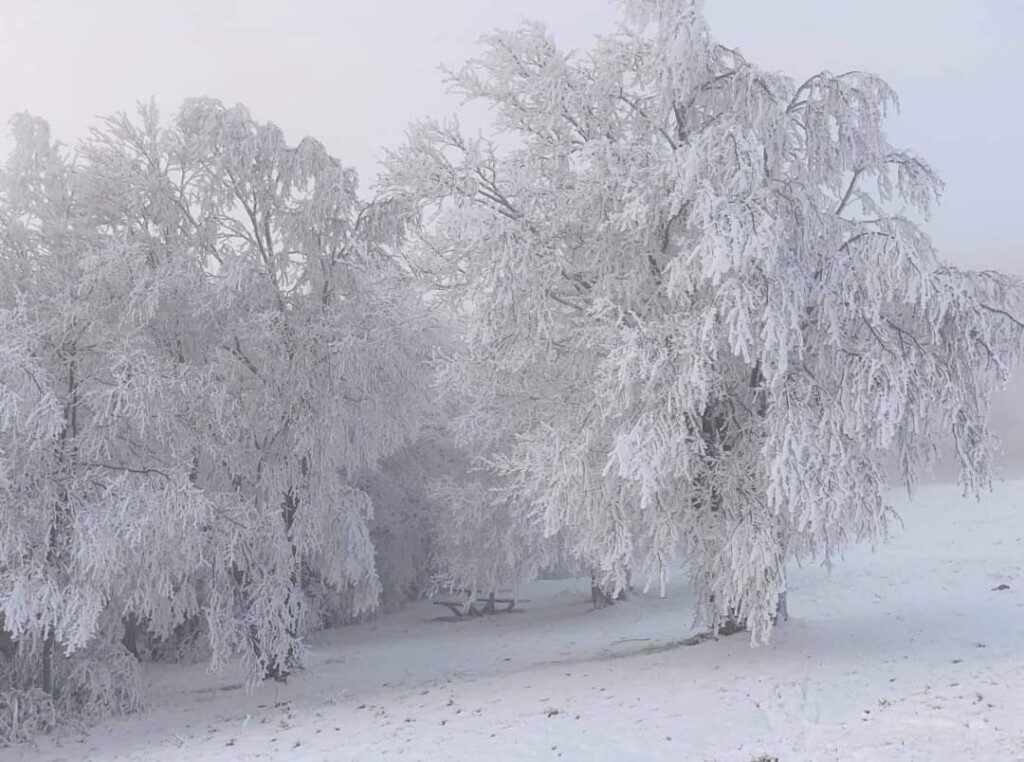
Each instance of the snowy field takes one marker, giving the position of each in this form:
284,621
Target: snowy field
908,653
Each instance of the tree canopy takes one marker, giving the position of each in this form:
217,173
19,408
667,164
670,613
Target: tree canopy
701,315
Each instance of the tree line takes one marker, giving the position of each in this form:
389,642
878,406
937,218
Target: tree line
669,308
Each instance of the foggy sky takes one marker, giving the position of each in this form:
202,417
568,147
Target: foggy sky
353,73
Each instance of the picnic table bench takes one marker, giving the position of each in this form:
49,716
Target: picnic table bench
477,605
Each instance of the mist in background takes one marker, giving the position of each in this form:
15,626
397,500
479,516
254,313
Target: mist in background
353,74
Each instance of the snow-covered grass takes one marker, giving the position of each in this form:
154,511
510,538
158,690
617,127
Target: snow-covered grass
902,654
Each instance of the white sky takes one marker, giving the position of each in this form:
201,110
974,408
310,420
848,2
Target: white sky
353,73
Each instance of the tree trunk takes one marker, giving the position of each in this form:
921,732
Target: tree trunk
48,648
628,588
8,645
290,509
598,594
131,634
781,610
61,509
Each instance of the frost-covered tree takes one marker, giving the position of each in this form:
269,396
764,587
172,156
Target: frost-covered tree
701,315
322,362
208,341
96,508
408,515
484,540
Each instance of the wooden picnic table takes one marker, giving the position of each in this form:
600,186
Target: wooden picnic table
478,606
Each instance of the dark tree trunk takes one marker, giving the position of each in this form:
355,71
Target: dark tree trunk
8,645
48,648
131,634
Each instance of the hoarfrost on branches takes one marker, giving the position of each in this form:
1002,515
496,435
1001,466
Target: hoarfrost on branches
207,340
700,314
682,308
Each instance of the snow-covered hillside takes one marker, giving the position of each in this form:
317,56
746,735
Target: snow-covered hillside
911,652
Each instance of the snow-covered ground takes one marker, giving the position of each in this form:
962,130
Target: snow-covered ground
908,653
